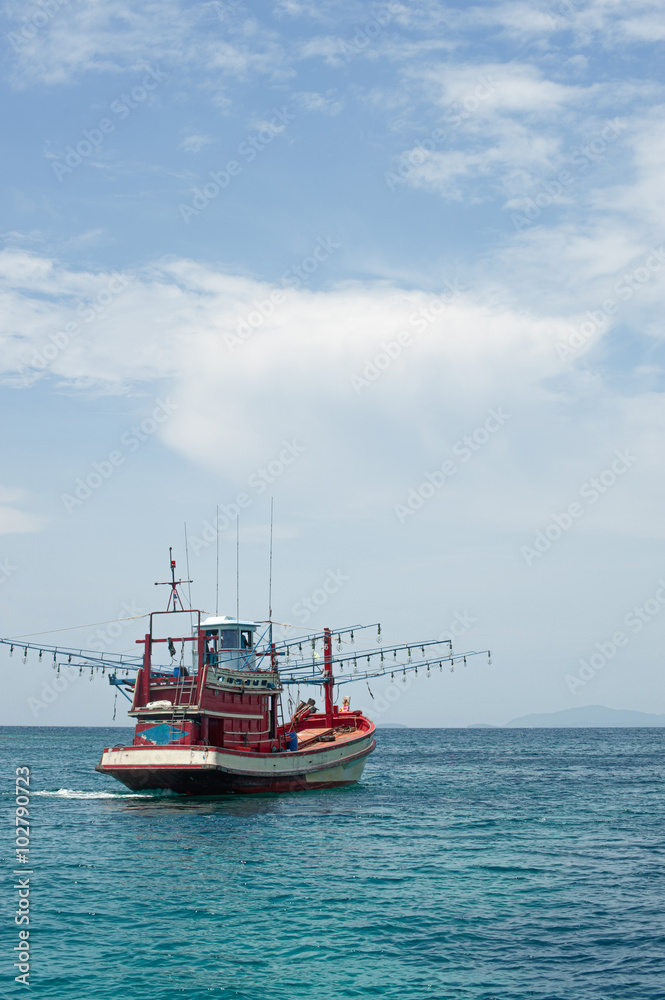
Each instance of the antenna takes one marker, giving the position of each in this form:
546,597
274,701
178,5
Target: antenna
189,582
217,538
173,584
238,576
272,508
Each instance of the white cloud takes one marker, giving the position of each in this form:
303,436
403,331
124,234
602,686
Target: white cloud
598,20
195,143
519,149
12,519
119,38
324,103
326,369
648,28
492,87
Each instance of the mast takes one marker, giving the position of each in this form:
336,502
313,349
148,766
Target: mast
238,578
272,502
327,670
174,596
217,565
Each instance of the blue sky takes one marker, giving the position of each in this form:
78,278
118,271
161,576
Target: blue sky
399,266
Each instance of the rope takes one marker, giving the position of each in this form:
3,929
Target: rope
71,628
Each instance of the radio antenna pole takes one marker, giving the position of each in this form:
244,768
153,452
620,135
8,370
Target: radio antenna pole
238,576
217,538
272,508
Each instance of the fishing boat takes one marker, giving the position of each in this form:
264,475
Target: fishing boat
211,721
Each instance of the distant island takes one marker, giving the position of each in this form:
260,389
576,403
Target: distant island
588,717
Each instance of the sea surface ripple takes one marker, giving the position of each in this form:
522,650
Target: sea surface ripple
467,865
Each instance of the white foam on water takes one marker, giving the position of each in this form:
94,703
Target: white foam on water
70,793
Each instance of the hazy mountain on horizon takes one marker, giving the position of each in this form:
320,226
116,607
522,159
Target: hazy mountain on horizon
587,717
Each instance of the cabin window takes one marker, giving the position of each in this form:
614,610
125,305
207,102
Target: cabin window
228,638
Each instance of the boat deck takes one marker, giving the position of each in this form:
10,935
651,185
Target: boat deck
308,737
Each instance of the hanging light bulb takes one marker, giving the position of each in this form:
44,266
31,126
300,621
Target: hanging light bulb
489,656
452,669
41,653
392,676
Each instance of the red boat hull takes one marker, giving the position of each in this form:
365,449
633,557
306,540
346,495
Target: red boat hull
215,771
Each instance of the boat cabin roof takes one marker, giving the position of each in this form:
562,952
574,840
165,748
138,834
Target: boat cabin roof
224,622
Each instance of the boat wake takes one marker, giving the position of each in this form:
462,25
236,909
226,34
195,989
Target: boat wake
71,793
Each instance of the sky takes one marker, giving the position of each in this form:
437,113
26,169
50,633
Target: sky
400,267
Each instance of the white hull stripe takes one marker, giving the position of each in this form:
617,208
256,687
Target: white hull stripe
203,759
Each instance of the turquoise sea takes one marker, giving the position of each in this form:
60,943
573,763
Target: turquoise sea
469,864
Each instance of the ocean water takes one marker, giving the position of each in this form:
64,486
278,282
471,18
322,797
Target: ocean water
468,864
